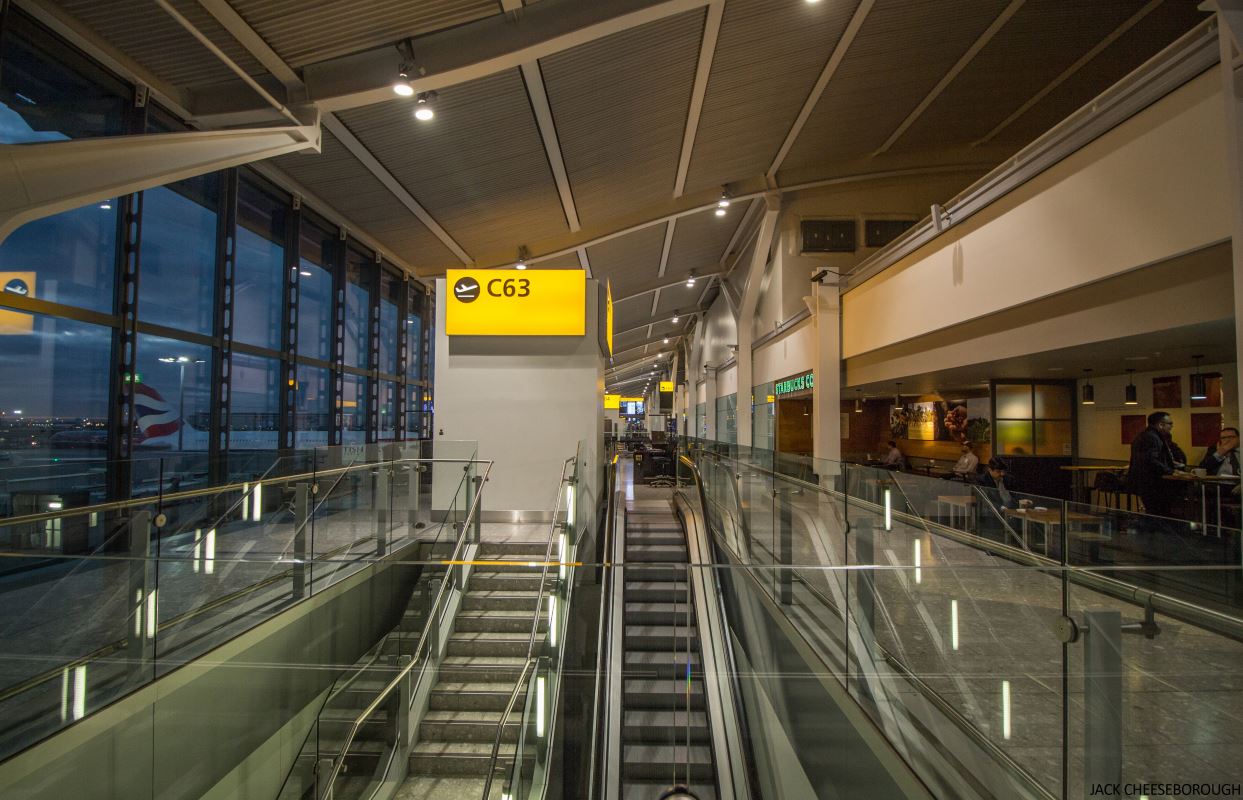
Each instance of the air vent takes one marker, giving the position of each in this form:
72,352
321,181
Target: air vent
828,235
880,232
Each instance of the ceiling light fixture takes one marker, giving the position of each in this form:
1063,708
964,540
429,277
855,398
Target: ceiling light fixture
1199,385
401,86
666,340
859,402
1131,398
690,280
106,205
523,254
423,112
897,393
675,318
1089,393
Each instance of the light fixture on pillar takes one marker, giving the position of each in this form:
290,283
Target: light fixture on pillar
522,258
1131,394
897,393
423,110
1089,393
859,402
1199,385
690,280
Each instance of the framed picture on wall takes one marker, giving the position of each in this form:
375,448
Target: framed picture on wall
1212,391
1205,428
1132,424
1167,392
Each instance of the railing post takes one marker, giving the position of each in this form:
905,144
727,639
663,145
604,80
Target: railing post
404,695
413,495
785,554
140,643
1102,697
381,509
865,600
302,513
323,768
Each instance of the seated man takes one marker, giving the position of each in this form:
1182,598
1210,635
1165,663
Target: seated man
1223,458
964,468
894,458
997,489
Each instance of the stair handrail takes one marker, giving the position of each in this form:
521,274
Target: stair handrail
571,463
604,626
424,637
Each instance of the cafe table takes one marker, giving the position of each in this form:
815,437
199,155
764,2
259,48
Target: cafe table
1203,482
1050,518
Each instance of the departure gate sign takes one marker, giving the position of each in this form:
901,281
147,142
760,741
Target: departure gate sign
511,302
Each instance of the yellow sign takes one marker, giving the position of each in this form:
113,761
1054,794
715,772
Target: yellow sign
666,386
608,313
510,302
632,399
772,398
612,401
21,284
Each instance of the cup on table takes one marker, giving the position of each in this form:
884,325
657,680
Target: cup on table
1199,472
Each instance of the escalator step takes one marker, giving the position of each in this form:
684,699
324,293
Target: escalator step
668,694
650,760
659,613
661,554
661,637
647,790
660,664
655,591
664,727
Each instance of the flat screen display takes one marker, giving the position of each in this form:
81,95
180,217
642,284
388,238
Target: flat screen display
632,408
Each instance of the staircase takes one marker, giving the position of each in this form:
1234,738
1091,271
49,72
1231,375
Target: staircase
665,734
486,653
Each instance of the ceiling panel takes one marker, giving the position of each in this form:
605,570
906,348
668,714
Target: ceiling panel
768,57
632,313
567,261
630,262
358,196
479,167
1040,42
620,107
627,341
679,300
147,34
302,32
901,52
699,241
1151,35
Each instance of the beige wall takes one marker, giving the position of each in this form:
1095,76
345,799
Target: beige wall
1151,189
1100,425
792,352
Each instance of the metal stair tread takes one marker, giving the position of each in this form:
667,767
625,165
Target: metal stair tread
647,753
461,687
481,750
463,715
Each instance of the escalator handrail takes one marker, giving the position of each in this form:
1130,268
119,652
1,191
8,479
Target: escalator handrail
604,624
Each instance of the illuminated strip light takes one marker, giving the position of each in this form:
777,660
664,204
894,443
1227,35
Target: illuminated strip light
245,504
918,572
258,500
954,624
552,620
198,547
888,511
561,544
79,691
209,558
138,614
64,695
539,706
1005,709
151,609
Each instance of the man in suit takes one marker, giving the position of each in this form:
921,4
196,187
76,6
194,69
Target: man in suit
1223,458
1153,456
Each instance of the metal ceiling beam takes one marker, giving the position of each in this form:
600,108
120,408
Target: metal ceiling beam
584,262
830,67
978,45
534,79
467,52
707,49
655,322
1071,70
256,46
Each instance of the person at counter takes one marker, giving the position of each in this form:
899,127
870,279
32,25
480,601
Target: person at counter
965,466
1223,457
1153,456
894,458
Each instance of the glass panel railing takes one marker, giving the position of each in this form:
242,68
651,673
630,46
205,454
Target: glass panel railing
177,575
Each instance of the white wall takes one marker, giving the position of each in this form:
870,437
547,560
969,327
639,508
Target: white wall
794,351
1100,425
526,401
727,382
1151,189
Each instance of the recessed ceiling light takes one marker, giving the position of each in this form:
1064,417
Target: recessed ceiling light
1135,358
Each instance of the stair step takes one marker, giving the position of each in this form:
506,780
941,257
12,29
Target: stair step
664,727
488,550
443,725
659,613
659,554
635,570
457,758
661,637
660,664
487,600
655,591
668,694
647,760
492,644
670,539
481,669
449,696
496,621
493,580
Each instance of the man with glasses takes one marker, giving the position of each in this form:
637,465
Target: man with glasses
1153,456
1223,459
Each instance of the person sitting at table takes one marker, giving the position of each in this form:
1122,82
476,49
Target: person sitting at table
1153,456
894,458
965,466
1223,457
995,476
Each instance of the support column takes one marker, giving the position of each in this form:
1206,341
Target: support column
745,317
827,434
1230,37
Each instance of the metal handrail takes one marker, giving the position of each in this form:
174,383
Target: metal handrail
424,638
604,631
115,505
513,697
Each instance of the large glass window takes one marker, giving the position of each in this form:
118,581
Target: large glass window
414,415
354,410
254,417
177,284
313,420
1034,419
358,272
388,411
67,258
727,419
414,334
259,273
390,296
54,396
172,395
315,290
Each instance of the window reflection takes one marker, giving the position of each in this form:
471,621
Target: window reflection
259,271
414,335
388,411
254,419
315,291
314,407
177,287
354,410
390,294
358,269
172,408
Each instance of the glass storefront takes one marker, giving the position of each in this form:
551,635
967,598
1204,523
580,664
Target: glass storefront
727,419
763,416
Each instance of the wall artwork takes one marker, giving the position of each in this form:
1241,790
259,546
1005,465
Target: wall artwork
1205,428
942,421
1132,424
1167,392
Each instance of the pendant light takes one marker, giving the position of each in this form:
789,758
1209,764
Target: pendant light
859,402
1199,385
1131,398
897,393
1089,393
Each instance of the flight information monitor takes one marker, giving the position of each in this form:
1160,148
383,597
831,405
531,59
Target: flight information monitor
632,408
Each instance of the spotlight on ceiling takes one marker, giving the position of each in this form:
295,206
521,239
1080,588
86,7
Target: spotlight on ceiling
666,340
675,319
522,258
724,201
690,280
423,110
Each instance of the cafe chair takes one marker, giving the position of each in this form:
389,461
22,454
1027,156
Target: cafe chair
1110,488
